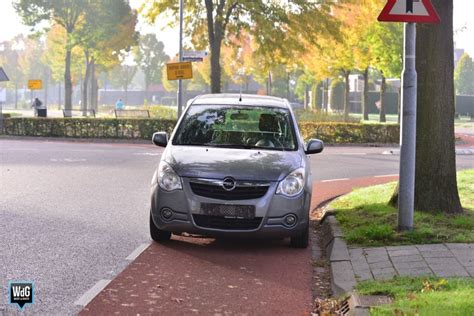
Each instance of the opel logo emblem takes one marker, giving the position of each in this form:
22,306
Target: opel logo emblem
228,184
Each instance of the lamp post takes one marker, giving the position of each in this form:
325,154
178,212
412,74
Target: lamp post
180,82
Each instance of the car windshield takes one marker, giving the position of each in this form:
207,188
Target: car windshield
237,127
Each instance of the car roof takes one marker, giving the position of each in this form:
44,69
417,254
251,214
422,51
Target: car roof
237,99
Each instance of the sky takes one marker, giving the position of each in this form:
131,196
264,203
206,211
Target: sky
10,25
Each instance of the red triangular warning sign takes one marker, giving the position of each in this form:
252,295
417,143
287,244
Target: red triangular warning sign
417,11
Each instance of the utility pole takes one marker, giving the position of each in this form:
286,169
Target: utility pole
406,194
180,82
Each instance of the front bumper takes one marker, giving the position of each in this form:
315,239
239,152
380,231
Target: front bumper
270,212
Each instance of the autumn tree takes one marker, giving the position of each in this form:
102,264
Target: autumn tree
32,65
10,52
276,26
464,75
151,58
67,14
107,29
122,76
53,56
386,40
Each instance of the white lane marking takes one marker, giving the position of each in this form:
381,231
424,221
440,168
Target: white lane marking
386,176
334,180
67,160
137,252
147,154
355,154
92,292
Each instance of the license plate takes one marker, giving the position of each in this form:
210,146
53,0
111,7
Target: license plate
233,211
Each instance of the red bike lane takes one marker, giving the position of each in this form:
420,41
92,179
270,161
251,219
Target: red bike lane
204,276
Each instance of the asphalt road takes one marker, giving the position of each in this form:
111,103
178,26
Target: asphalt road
70,213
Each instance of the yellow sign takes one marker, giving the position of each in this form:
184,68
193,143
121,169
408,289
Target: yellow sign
177,71
35,84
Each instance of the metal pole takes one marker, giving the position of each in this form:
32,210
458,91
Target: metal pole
180,82
406,194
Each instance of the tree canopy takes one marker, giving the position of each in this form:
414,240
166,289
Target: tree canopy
277,27
464,75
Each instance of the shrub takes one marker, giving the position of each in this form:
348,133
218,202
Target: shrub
319,116
162,112
143,128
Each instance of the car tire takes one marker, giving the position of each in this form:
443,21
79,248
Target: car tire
157,234
301,240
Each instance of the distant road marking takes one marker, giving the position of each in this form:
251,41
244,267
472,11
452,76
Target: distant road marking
137,252
67,160
387,175
351,154
334,180
147,154
93,291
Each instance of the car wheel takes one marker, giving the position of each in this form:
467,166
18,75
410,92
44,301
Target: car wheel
157,234
300,240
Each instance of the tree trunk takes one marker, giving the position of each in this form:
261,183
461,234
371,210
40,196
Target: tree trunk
399,105
46,85
93,87
306,97
435,175
269,83
215,67
314,96
346,95
67,82
85,86
16,96
365,96
59,95
288,96
436,185
382,118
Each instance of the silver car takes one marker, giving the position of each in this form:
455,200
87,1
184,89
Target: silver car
234,166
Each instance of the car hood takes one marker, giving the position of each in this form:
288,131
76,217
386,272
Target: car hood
241,164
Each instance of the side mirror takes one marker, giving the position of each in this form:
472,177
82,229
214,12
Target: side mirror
314,146
160,139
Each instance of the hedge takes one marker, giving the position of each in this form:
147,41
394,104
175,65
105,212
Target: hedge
353,133
333,133
87,127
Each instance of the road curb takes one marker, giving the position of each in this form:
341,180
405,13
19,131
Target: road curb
459,151
342,274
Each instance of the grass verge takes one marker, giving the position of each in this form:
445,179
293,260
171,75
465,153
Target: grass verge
422,296
367,220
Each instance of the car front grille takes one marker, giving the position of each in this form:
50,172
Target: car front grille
220,222
215,191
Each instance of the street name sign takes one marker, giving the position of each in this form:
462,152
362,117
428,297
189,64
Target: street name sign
35,84
410,11
3,75
177,71
194,54
193,59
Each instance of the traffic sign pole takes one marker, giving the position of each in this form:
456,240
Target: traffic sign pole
180,82
406,193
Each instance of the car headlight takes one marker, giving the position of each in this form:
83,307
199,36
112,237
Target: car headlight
167,178
293,184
